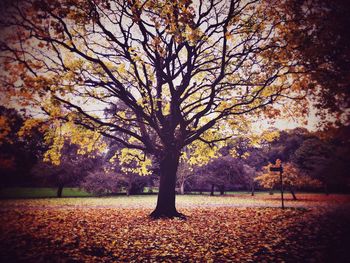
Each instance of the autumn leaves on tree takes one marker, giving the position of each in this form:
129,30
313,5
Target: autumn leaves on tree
153,76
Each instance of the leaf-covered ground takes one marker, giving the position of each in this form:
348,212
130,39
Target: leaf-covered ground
70,230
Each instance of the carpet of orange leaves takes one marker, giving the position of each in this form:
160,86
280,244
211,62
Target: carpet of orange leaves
210,234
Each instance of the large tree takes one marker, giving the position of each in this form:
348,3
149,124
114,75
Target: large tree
168,72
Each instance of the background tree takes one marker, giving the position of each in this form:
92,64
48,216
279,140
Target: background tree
118,176
193,157
18,154
126,171
257,157
293,179
184,174
250,174
72,168
286,144
224,173
326,161
132,169
173,71
100,182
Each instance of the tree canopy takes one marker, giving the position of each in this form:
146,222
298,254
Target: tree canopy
318,31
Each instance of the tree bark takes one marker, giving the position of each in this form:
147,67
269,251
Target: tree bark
182,188
222,190
293,194
326,191
212,190
59,191
129,189
166,196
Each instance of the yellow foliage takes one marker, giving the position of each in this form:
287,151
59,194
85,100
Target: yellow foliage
270,136
201,153
28,125
4,128
121,69
166,109
59,133
267,136
134,160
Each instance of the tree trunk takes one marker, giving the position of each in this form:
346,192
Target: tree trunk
129,188
59,191
326,191
293,194
212,190
166,196
222,190
182,188
252,189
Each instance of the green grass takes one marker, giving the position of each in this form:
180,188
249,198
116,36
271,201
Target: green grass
150,189
37,192
41,192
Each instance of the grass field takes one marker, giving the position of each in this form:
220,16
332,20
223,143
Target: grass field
235,228
42,192
38,192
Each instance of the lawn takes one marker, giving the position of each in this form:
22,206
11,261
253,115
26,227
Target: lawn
43,192
237,228
38,192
